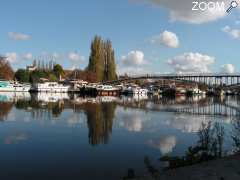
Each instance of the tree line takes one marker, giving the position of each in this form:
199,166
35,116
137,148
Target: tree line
101,67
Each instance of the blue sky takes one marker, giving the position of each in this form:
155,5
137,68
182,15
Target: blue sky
140,31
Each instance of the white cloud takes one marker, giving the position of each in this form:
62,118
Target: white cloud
182,11
234,33
228,68
165,144
27,56
166,38
191,62
18,36
133,58
74,57
11,57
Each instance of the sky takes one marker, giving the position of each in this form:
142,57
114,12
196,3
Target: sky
148,36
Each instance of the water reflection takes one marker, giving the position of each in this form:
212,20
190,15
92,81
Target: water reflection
63,125
15,138
5,108
100,120
189,113
209,146
164,144
236,136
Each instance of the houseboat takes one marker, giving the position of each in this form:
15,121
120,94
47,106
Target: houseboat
129,90
107,90
12,86
52,87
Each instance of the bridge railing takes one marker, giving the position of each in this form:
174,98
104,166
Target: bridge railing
183,75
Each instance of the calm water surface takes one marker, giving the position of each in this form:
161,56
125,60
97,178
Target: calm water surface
61,136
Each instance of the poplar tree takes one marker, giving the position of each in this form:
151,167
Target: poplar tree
102,60
96,63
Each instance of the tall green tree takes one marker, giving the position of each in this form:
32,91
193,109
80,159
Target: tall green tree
102,60
96,64
109,62
58,71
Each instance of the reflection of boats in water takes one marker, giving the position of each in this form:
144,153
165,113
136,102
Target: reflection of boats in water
14,96
108,99
98,99
50,97
12,86
52,87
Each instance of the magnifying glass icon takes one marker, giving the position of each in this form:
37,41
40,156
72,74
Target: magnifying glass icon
233,5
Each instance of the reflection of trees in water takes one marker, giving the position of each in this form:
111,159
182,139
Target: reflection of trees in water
100,120
41,110
208,147
5,108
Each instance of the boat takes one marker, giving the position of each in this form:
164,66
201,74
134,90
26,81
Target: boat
13,86
52,87
21,87
107,90
134,89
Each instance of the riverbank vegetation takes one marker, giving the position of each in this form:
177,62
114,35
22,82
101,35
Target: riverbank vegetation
53,75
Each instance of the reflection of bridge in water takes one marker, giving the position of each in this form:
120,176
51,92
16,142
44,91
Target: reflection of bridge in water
206,106
213,110
204,78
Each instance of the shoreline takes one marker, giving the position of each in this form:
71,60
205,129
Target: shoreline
227,168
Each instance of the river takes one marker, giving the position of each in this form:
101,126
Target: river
65,136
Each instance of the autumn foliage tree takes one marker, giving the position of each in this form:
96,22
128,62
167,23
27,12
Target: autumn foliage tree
6,71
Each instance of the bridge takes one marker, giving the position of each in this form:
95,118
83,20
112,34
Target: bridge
209,79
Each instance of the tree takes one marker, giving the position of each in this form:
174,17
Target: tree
109,61
22,75
96,64
35,76
52,77
6,71
102,60
58,71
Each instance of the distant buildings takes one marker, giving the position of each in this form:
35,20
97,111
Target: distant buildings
31,68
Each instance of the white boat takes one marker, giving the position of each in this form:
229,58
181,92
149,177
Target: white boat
21,87
107,88
135,90
52,87
12,86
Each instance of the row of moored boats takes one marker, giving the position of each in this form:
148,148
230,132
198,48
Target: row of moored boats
100,89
